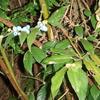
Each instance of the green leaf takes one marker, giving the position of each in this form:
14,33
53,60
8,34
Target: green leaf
79,31
55,18
87,45
89,97
30,8
57,66
12,98
28,61
95,92
93,21
57,59
95,58
79,81
49,70
69,51
20,18
17,49
28,85
4,4
12,43
97,30
22,37
57,81
51,3
8,39
62,44
48,45
3,14
42,93
87,12
91,38
31,96
38,54
1,24
90,65
31,37
75,65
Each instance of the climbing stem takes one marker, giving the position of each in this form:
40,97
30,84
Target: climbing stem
44,9
45,13
7,68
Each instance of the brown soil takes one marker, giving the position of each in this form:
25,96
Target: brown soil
4,88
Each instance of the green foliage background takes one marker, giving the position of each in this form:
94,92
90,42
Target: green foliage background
60,64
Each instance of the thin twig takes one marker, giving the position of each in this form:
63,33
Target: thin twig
20,4
66,34
70,13
97,45
63,94
65,87
82,16
85,4
35,78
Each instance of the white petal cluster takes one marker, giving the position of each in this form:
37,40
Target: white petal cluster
42,26
18,29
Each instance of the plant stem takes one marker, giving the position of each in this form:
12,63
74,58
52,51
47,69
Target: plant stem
34,78
66,34
85,4
63,95
20,4
45,13
44,9
36,70
8,71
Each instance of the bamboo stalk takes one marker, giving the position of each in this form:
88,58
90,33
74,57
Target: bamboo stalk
6,67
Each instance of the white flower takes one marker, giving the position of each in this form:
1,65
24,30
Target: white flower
42,26
16,33
26,29
18,29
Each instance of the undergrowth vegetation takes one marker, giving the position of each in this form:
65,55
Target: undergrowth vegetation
50,49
